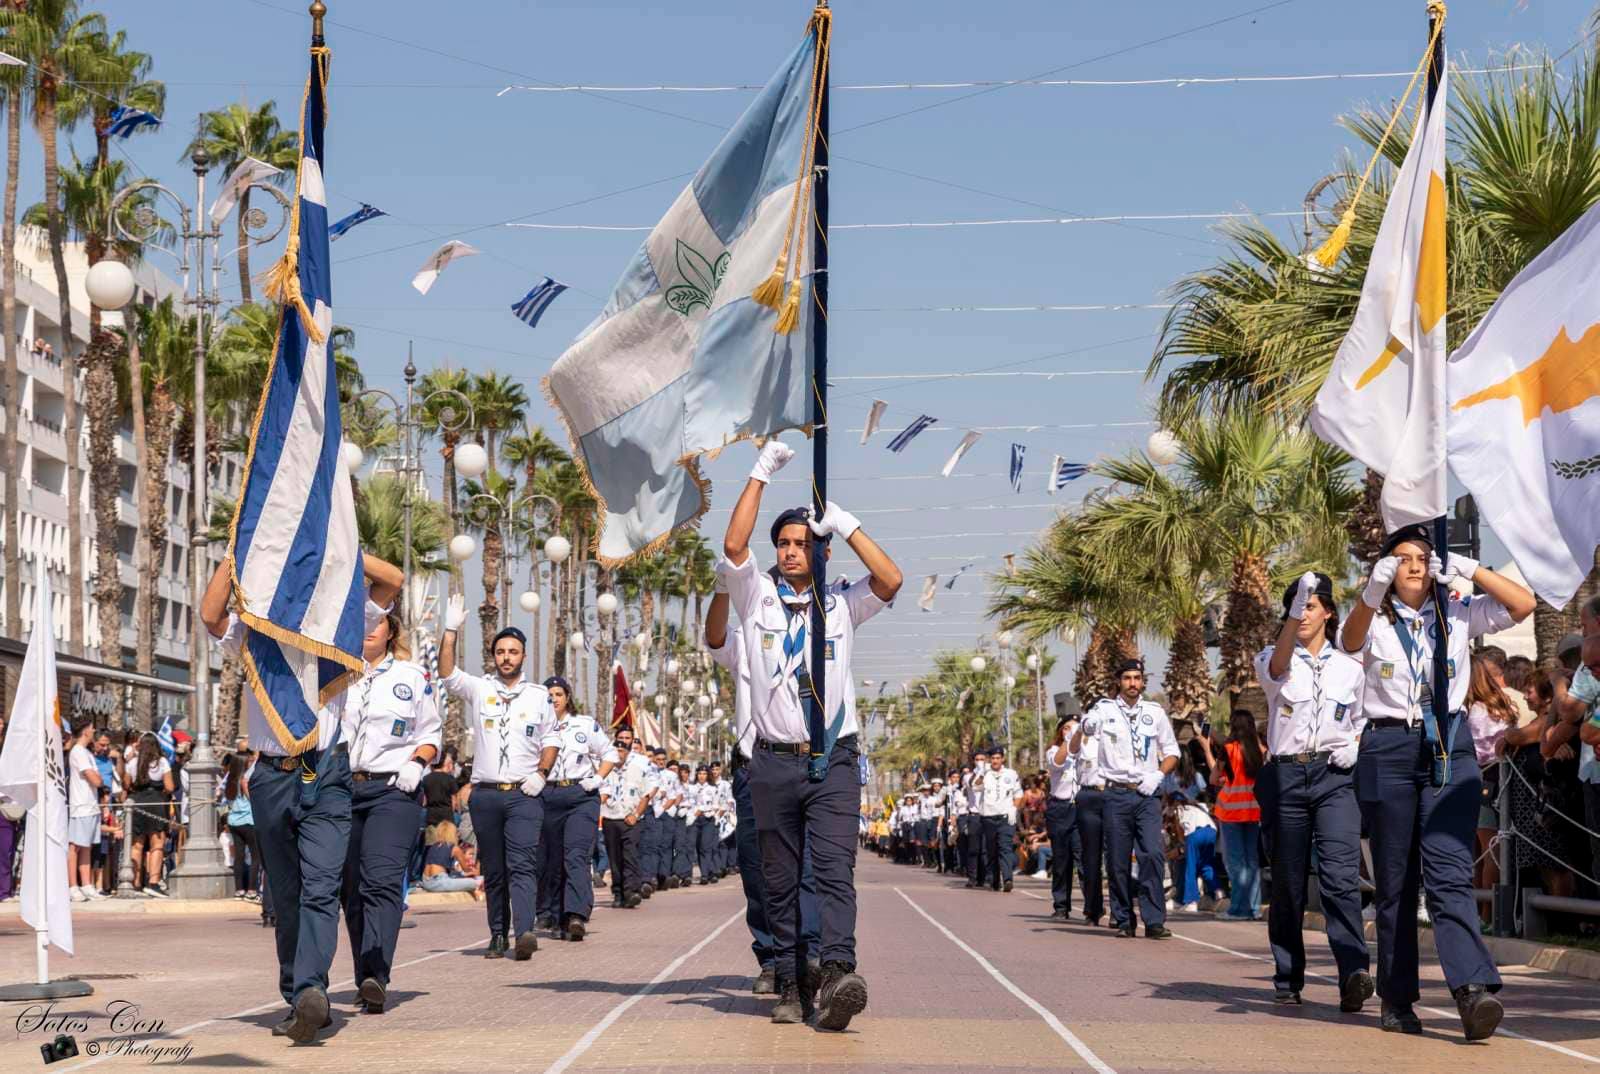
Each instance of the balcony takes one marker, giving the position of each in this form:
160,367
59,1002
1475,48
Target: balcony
43,366
45,435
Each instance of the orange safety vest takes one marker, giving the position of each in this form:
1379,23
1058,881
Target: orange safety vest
1236,802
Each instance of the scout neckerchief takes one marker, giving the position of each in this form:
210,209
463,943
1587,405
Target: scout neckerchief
1420,696
503,723
1141,754
796,613
367,680
1317,662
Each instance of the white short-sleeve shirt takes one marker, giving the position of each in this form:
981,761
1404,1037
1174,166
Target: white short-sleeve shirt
582,746
998,791
1317,704
730,655
508,725
1063,776
82,799
1392,690
1133,740
389,714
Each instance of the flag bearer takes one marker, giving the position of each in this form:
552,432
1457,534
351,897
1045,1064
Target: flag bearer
392,725
1137,750
1000,795
1061,817
577,755
1418,783
799,804
509,717
301,806
1306,790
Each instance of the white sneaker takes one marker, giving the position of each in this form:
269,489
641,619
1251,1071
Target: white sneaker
1041,875
78,895
1189,908
95,894
1169,904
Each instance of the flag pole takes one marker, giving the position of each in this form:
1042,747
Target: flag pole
819,403
1441,531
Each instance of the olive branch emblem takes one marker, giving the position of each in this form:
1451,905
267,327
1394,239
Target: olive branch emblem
701,277
1573,470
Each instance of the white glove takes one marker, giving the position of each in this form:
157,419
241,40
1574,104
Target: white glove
1454,566
773,457
835,519
1150,783
722,580
1345,756
1302,593
408,777
455,612
590,783
533,786
1379,581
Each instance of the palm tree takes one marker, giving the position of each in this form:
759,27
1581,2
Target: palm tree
483,516
699,573
439,388
380,519
124,82
63,47
13,85
532,449
234,132
564,484
498,403
949,712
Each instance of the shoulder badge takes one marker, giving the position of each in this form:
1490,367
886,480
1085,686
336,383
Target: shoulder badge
402,691
582,738
767,602
530,730
828,647
399,728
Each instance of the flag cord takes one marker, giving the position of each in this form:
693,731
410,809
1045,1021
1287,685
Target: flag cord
282,280
1329,251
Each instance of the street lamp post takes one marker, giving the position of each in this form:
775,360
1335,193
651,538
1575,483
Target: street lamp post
1034,663
202,874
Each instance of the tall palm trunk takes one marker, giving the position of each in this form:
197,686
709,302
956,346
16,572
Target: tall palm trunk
1188,679
100,404
489,610
144,600
244,247
1249,622
69,365
13,381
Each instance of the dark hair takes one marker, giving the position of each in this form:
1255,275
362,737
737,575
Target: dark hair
1242,729
82,724
1492,655
1324,594
1519,673
1131,664
235,784
149,753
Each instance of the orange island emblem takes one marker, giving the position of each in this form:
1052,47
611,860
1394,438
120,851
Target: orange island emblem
1564,377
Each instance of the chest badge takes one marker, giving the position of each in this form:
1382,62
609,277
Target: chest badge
581,737
1288,709
828,646
527,732
766,641
1386,671
402,691
398,730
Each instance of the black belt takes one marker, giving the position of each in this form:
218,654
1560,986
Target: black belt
499,786
1308,757
798,749
292,764
1117,785
563,782
363,777
1392,721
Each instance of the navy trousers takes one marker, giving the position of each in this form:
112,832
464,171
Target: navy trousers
1422,836
650,848
622,851
999,850
383,831
1133,829
1091,850
748,845
1306,806
703,845
793,816
1061,824
571,824
304,854
508,826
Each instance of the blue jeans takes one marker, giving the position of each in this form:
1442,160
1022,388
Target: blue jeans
1241,852
1199,855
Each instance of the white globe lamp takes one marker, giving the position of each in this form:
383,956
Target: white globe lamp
462,546
352,455
557,549
661,702
718,713
606,603
471,460
110,285
642,641
1011,682
687,686
979,663
703,701
528,601
1163,447
1033,661
575,640
672,666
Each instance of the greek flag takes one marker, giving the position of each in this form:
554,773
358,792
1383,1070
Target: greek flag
683,359
125,120
956,577
1062,471
297,573
531,306
164,739
1017,452
360,216
910,433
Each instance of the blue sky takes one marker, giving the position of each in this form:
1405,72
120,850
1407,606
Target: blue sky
425,136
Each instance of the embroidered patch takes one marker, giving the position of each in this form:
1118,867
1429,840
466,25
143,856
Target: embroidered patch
581,737
399,728
402,691
828,650
767,640
767,602
1339,711
488,725
528,731
1450,668
1385,671
1288,709
1147,719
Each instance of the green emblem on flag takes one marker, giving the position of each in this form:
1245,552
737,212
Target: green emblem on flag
701,277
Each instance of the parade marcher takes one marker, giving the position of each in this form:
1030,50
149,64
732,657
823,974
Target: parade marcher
670,839
976,866
509,717
703,805
726,819
1091,829
800,804
1419,783
683,834
392,725
1137,749
727,649
577,756
956,831
1307,793
624,800
1000,791
650,852
1061,817
301,808
940,806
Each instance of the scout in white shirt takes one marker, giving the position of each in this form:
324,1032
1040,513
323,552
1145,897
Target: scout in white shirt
792,809
1417,777
704,801
306,795
723,860
577,755
1061,816
1137,749
976,866
999,796
1091,828
509,717
1306,791
624,800
391,722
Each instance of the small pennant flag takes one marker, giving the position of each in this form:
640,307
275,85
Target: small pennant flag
1062,471
437,261
930,586
164,739
125,120
1011,564
247,172
911,432
1017,452
874,416
531,306
954,578
961,449
360,216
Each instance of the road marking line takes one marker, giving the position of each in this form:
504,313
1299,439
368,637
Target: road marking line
268,1006
587,1040
1502,1031
1050,1020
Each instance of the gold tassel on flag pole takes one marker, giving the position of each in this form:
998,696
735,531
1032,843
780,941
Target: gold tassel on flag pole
1326,254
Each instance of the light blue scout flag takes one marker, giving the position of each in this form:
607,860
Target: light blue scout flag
297,572
689,355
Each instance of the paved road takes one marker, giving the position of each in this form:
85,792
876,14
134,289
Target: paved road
960,981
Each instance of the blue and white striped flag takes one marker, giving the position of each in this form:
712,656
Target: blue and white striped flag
126,120
164,739
531,306
911,432
1062,471
360,216
956,577
297,573
1017,452
683,359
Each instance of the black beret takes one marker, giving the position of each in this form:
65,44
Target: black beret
794,516
1416,531
510,632
1130,665
1324,590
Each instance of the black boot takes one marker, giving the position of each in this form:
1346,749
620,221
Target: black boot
372,995
310,1014
1398,1018
767,983
497,946
844,995
788,1010
527,944
1355,990
1480,1011
575,927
